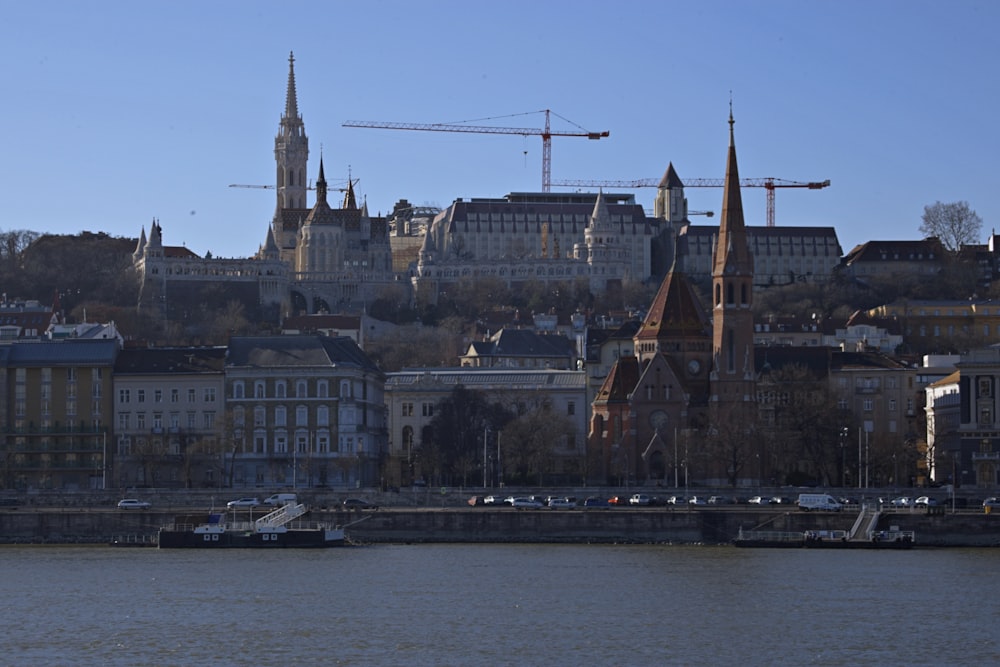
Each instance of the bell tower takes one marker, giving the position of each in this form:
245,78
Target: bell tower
291,150
733,377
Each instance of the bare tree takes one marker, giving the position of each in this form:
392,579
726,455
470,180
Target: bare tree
954,224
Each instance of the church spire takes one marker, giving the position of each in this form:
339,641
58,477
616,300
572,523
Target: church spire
291,100
321,182
732,293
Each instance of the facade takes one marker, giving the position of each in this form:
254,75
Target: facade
977,459
169,418
57,403
969,321
303,411
897,261
599,239
412,397
781,255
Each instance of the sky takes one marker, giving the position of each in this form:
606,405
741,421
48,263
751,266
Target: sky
121,112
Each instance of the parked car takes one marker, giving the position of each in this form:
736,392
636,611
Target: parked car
527,503
133,504
358,504
595,501
492,500
561,503
696,500
759,500
925,501
902,501
243,502
640,499
618,500
991,503
676,500
721,500
780,500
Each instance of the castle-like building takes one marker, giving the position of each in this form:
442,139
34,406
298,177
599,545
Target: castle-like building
313,259
321,258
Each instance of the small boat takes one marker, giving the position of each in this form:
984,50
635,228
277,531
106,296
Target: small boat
824,539
280,528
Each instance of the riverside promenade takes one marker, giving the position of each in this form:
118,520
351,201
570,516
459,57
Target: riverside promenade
448,518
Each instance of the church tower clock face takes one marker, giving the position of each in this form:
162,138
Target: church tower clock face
693,367
658,419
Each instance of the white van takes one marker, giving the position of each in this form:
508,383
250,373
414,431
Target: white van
818,501
282,499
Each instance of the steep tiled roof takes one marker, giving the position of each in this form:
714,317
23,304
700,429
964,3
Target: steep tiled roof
675,311
621,381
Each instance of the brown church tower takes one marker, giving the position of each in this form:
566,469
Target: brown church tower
733,381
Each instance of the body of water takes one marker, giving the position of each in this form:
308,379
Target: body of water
546,605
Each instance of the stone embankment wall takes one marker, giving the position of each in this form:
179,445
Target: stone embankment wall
477,524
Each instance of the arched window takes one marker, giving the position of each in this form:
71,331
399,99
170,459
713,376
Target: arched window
237,390
280,416
322,416
718,294
258,389
279,389
301,415
322,389
730,294
301,389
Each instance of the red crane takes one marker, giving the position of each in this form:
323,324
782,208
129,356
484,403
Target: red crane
770,184
545,133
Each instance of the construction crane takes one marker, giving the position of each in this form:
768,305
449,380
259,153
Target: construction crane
770,184
545,133
271,187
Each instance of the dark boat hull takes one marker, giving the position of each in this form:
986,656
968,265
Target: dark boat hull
292,539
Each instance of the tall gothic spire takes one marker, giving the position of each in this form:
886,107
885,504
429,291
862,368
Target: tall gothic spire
732,252
321,182
291,100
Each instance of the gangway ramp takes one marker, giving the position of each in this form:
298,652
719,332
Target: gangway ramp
280,516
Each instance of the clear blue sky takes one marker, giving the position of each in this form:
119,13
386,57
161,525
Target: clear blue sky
119,112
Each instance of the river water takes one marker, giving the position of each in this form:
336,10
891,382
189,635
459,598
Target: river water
546,605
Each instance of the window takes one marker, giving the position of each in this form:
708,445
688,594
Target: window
210,394
985,387
322,416
407,409
175,420
157,395
279,390
322,389
571,408
237,390
892,405
140,421
259,416
301,389
191,419
258,389
175,395
239,416
157,421
280,416
209,420
868,404
123,418
301,415
140,395
124,395
280,444
427,409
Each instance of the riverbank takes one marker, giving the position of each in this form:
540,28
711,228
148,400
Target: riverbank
506,525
